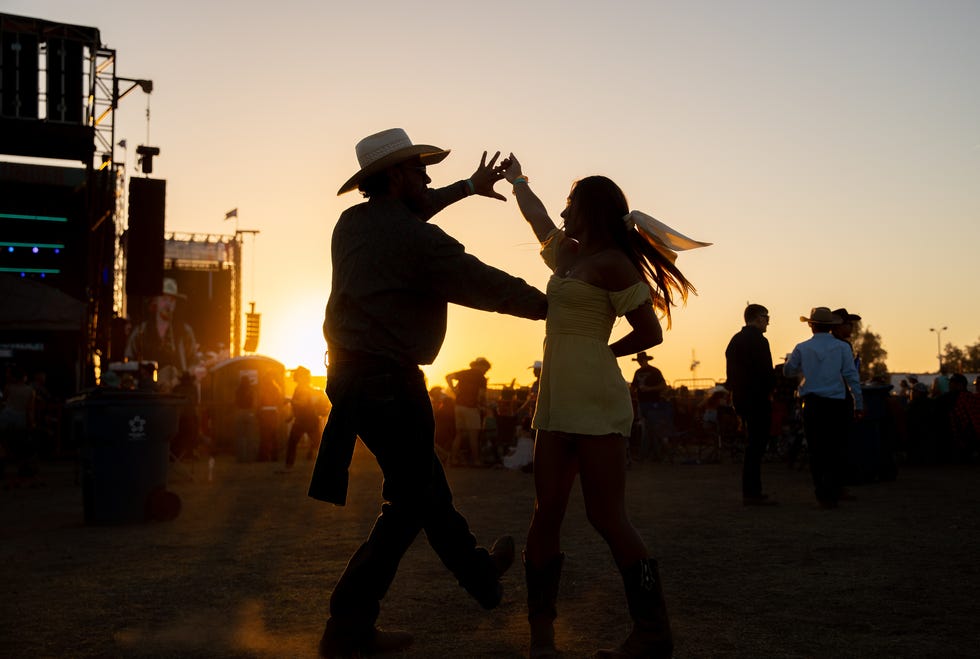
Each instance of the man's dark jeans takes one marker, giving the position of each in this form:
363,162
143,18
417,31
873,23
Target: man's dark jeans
825,422
389,409
756,414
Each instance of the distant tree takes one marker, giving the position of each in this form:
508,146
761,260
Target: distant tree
869,348
953,359
972,364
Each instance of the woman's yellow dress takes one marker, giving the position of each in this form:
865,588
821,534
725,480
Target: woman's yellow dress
582,389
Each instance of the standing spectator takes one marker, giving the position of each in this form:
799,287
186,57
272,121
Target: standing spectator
964,419
921,426
188,421
306,422
17,424
46,413
444,414
650,390
751,381
470,388
246,428
394,275
526,410
827,367
786,418
271,402
506,413
844,332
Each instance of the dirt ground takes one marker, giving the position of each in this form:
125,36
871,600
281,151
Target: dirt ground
246,569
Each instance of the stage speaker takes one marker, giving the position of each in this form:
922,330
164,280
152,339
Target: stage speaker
19,75
252,322
144,239
64,75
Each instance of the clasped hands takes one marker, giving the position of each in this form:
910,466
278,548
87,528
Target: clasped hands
488,173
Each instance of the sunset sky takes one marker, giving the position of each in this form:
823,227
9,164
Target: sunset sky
829,150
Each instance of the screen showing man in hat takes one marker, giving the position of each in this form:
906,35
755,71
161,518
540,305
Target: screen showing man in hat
162,338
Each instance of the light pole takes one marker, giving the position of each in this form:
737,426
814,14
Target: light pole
939,350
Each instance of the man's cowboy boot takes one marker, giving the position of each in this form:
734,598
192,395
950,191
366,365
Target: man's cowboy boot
483,580
338,642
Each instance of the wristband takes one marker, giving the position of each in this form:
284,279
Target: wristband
520,179
469,186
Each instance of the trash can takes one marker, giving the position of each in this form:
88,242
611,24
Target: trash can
124,450
870,457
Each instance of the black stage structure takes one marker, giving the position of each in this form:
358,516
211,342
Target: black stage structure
80,248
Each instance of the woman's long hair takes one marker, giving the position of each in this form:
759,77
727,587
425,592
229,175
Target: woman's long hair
600,200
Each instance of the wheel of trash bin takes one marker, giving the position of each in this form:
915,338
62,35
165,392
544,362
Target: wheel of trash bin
162,505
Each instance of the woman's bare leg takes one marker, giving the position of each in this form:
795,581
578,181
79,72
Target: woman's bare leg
555,467
602,466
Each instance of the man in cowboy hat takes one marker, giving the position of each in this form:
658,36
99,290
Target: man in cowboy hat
751,381
161,339
827,366
650,388
394,274
845,330
469,386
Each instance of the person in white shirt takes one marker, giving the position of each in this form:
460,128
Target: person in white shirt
827,367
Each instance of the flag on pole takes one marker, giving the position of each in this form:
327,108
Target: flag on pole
232,213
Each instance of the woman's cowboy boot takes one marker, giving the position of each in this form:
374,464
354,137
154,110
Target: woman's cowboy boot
651,635
542,593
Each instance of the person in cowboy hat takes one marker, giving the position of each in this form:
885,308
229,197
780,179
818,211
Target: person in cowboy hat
845,330
650,389
394,274
163,339
470,388
826,365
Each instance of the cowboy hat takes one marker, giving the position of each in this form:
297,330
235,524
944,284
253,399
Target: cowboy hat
378,152
480,361
821,316
642,357
170,288
846,317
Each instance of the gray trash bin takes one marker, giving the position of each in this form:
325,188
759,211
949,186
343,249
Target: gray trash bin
870,457
124,450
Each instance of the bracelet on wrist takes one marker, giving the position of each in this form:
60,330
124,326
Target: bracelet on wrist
519,179
469,186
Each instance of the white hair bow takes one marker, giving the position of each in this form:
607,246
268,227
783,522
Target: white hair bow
668,241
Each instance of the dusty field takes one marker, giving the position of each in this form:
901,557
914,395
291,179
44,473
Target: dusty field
247,567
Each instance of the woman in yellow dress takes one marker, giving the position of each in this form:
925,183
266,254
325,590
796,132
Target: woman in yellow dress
604,266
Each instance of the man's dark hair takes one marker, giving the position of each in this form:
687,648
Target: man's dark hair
374,185
753,311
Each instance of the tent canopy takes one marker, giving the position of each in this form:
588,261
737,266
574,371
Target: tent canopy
26,304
